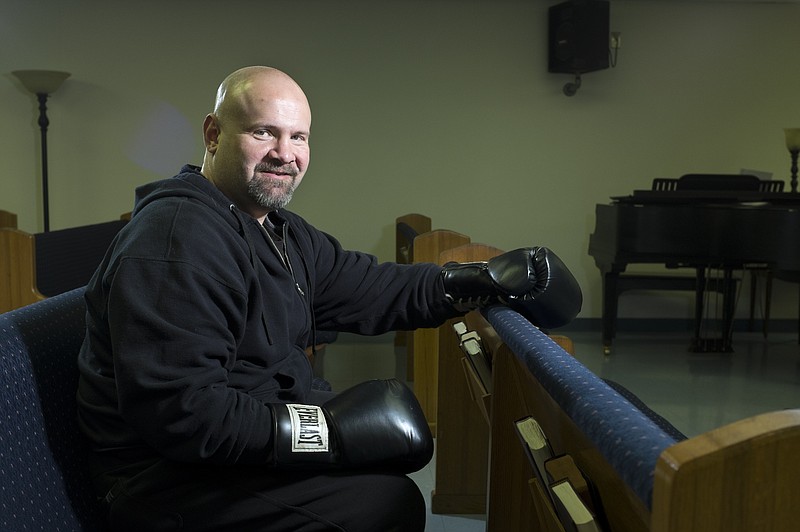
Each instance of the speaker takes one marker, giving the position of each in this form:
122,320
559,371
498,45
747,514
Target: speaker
578,39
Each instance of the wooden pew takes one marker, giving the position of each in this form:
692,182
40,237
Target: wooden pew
407,228
462,431
8,219
742,476
36,266
462,444
427,248
17,270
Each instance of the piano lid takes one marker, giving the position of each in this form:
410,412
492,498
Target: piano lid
650,197
712,189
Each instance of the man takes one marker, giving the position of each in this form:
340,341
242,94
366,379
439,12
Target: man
195,390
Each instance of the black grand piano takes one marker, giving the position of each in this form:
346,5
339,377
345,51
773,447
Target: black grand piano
700,221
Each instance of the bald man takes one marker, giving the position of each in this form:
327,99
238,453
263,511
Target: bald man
257,140
195,390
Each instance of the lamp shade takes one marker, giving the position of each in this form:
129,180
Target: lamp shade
792,138
41,81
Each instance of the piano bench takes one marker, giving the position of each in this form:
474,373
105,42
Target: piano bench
615,284
655,281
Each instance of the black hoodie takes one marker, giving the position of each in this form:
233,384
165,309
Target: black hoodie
197,317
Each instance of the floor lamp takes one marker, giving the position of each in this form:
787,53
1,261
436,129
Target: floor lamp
793,144
42,83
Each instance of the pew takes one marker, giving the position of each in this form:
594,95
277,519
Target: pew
462,431
17,270
427,248
8,219
36,266
646,475
407,228
462,442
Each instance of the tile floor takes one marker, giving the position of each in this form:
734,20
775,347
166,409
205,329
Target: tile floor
695,391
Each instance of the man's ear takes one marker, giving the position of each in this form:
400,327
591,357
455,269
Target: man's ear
211,133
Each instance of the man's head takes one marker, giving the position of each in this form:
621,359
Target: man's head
256,139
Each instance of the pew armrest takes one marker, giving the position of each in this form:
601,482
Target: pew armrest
742,476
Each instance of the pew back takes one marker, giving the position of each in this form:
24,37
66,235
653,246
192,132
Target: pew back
8,219
407,228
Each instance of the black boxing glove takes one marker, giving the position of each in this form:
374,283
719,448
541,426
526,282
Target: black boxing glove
532,281
375,424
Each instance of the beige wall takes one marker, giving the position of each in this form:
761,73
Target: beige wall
442,107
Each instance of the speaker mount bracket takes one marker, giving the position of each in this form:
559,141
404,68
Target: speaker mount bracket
571,88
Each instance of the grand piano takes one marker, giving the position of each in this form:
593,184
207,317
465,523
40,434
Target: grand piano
700,221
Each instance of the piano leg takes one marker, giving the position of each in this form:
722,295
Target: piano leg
728,307
610,306
753,294
699,294
767,301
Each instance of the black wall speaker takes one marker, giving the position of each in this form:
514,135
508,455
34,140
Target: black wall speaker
578,37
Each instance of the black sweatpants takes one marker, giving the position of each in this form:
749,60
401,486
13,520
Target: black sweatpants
176,496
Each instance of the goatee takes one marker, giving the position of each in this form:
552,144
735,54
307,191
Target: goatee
271,193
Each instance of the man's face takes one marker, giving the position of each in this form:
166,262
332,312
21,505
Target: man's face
261,149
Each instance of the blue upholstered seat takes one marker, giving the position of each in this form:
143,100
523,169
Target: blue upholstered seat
44,481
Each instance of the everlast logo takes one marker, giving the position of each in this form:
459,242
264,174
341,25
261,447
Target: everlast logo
309,429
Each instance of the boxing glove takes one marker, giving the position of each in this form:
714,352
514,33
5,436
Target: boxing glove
375,424
532,281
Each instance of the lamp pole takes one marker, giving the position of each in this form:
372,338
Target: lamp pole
792,135
42,83
43,124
